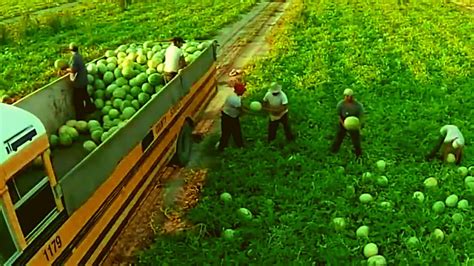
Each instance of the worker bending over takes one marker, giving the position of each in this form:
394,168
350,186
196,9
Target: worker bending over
451,141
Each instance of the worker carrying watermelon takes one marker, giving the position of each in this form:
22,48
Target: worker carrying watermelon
451,143
231,112
275,102
174,59
83,104
350,113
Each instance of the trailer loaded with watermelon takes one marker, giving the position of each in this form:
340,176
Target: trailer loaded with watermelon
66,181
120,83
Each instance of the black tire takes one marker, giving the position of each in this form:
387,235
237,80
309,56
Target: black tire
184,145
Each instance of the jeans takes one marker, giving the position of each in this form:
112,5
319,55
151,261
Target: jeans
341,134
82,102
273,126
230,127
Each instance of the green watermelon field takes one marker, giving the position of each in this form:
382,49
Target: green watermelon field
410,65
14,8
298,204
30,46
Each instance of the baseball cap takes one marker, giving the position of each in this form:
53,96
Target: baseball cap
348,92
73,46
275,87
178,39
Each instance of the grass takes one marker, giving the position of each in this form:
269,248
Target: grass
28,62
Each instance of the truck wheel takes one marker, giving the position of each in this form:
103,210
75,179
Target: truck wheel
184,145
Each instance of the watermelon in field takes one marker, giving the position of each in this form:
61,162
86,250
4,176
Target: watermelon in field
61,64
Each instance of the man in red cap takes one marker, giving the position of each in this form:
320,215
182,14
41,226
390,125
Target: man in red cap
174,59
230,123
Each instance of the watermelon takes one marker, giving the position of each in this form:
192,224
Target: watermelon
71,123
93,124
114,113
102,68
54,140
128,112
255,106
351,123
89,145
99,103
91,69
65,140
121,82
147,88
119,93
99,84
143,98
155,79
108,77
72,132
99,94
128,72
117,103
81,126
105,110
111,66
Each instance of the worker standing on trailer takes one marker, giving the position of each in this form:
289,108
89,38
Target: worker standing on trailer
230,114
78,75
276,103
174,59
346,108
451,141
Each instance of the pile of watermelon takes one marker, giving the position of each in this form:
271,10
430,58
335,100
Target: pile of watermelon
120,84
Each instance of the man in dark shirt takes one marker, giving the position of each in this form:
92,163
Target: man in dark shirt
345,108
78,74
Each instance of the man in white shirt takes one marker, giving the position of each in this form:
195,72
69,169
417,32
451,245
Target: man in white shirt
276,103
230,123
174,59
450,141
